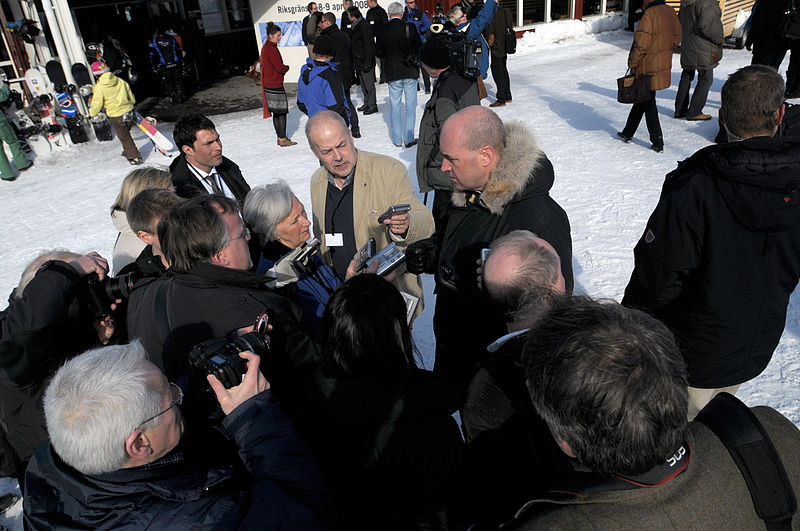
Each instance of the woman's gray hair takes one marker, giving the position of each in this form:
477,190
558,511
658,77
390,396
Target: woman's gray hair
37,263
266,206
95,401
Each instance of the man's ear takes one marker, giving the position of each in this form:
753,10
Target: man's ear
221,258
137,446
779,114
565,447
186,149
145,236
486,155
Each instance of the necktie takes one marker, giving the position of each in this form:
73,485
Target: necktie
213,182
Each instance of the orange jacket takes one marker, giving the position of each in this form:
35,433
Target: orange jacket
658,34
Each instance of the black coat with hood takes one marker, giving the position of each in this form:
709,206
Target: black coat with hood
721,255
515,197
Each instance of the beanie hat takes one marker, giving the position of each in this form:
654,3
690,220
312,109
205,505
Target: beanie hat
435,53
324,45
99,68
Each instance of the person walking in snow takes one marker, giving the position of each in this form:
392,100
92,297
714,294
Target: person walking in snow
273,93
657,34
114,95
8,136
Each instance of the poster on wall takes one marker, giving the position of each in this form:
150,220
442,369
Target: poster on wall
288,15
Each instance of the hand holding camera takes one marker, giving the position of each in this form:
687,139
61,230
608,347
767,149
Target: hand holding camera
421,256
90,263
397,218
252,384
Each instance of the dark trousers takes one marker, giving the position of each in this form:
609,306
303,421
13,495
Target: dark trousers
367,79
699,96
123,130
501,79
649,110
793,73
770,59
353,113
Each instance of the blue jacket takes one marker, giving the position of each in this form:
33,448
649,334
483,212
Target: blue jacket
310,292
287,491
320,88
474,29
419,19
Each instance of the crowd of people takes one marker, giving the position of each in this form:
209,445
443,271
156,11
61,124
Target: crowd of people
247,366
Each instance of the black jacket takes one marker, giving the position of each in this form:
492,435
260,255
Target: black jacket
170,315
343,55
288,492
397,41
764,35
376,17
515,197
188,185
38,336
310,32
720,256
344,20
363,46
388,447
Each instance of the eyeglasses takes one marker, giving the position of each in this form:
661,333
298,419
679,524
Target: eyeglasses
176,391
245,234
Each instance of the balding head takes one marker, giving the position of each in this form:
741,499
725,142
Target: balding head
522,276
472,143
332,143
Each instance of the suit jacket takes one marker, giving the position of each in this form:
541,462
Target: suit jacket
379,182
187,184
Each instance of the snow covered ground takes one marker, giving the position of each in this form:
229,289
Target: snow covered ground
563,80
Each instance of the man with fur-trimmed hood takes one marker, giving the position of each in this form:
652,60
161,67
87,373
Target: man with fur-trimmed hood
501,180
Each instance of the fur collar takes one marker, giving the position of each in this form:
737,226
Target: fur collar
514,171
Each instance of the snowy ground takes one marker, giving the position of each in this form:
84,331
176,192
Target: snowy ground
564,85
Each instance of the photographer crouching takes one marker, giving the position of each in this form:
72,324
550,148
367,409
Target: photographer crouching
53,314
118,455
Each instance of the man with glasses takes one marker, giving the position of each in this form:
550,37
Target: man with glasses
210,292
422,23
118,455
720,254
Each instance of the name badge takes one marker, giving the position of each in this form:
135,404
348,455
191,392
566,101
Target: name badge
334,240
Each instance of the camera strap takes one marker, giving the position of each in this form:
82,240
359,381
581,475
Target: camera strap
751,448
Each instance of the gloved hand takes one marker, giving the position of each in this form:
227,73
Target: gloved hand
421,256
127,117
283,272
99,117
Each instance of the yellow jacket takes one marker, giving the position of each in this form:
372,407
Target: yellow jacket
112,93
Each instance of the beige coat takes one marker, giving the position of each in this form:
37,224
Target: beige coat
656,36
379,183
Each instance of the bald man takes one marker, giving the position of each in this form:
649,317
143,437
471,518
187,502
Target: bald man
501,180
350,192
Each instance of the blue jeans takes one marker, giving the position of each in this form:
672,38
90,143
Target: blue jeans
396,90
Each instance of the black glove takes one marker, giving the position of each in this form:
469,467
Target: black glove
421,256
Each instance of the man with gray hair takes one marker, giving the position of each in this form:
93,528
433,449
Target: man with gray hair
610,384
351,191
210,292
720,254
117,454
501,180
507,458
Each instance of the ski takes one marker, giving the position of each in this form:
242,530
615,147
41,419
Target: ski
159,140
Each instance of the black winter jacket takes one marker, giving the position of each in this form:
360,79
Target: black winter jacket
172,314
288,492
187,183
720,256
388,447
764,35
516,197
343,55
396,44
376,17
363,46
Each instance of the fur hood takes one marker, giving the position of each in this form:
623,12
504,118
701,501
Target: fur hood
515,172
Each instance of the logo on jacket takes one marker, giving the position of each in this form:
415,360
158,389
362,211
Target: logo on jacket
649,236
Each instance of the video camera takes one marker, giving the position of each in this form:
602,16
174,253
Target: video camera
465,52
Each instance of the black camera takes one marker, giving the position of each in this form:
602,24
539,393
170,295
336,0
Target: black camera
303,259
220,357
99,295
465,51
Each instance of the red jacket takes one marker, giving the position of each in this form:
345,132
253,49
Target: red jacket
272,70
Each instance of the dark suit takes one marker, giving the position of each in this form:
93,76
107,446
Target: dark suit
187,184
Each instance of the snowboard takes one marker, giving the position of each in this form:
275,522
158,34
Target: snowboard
102,129
162,143
41,107
28,132
63,91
